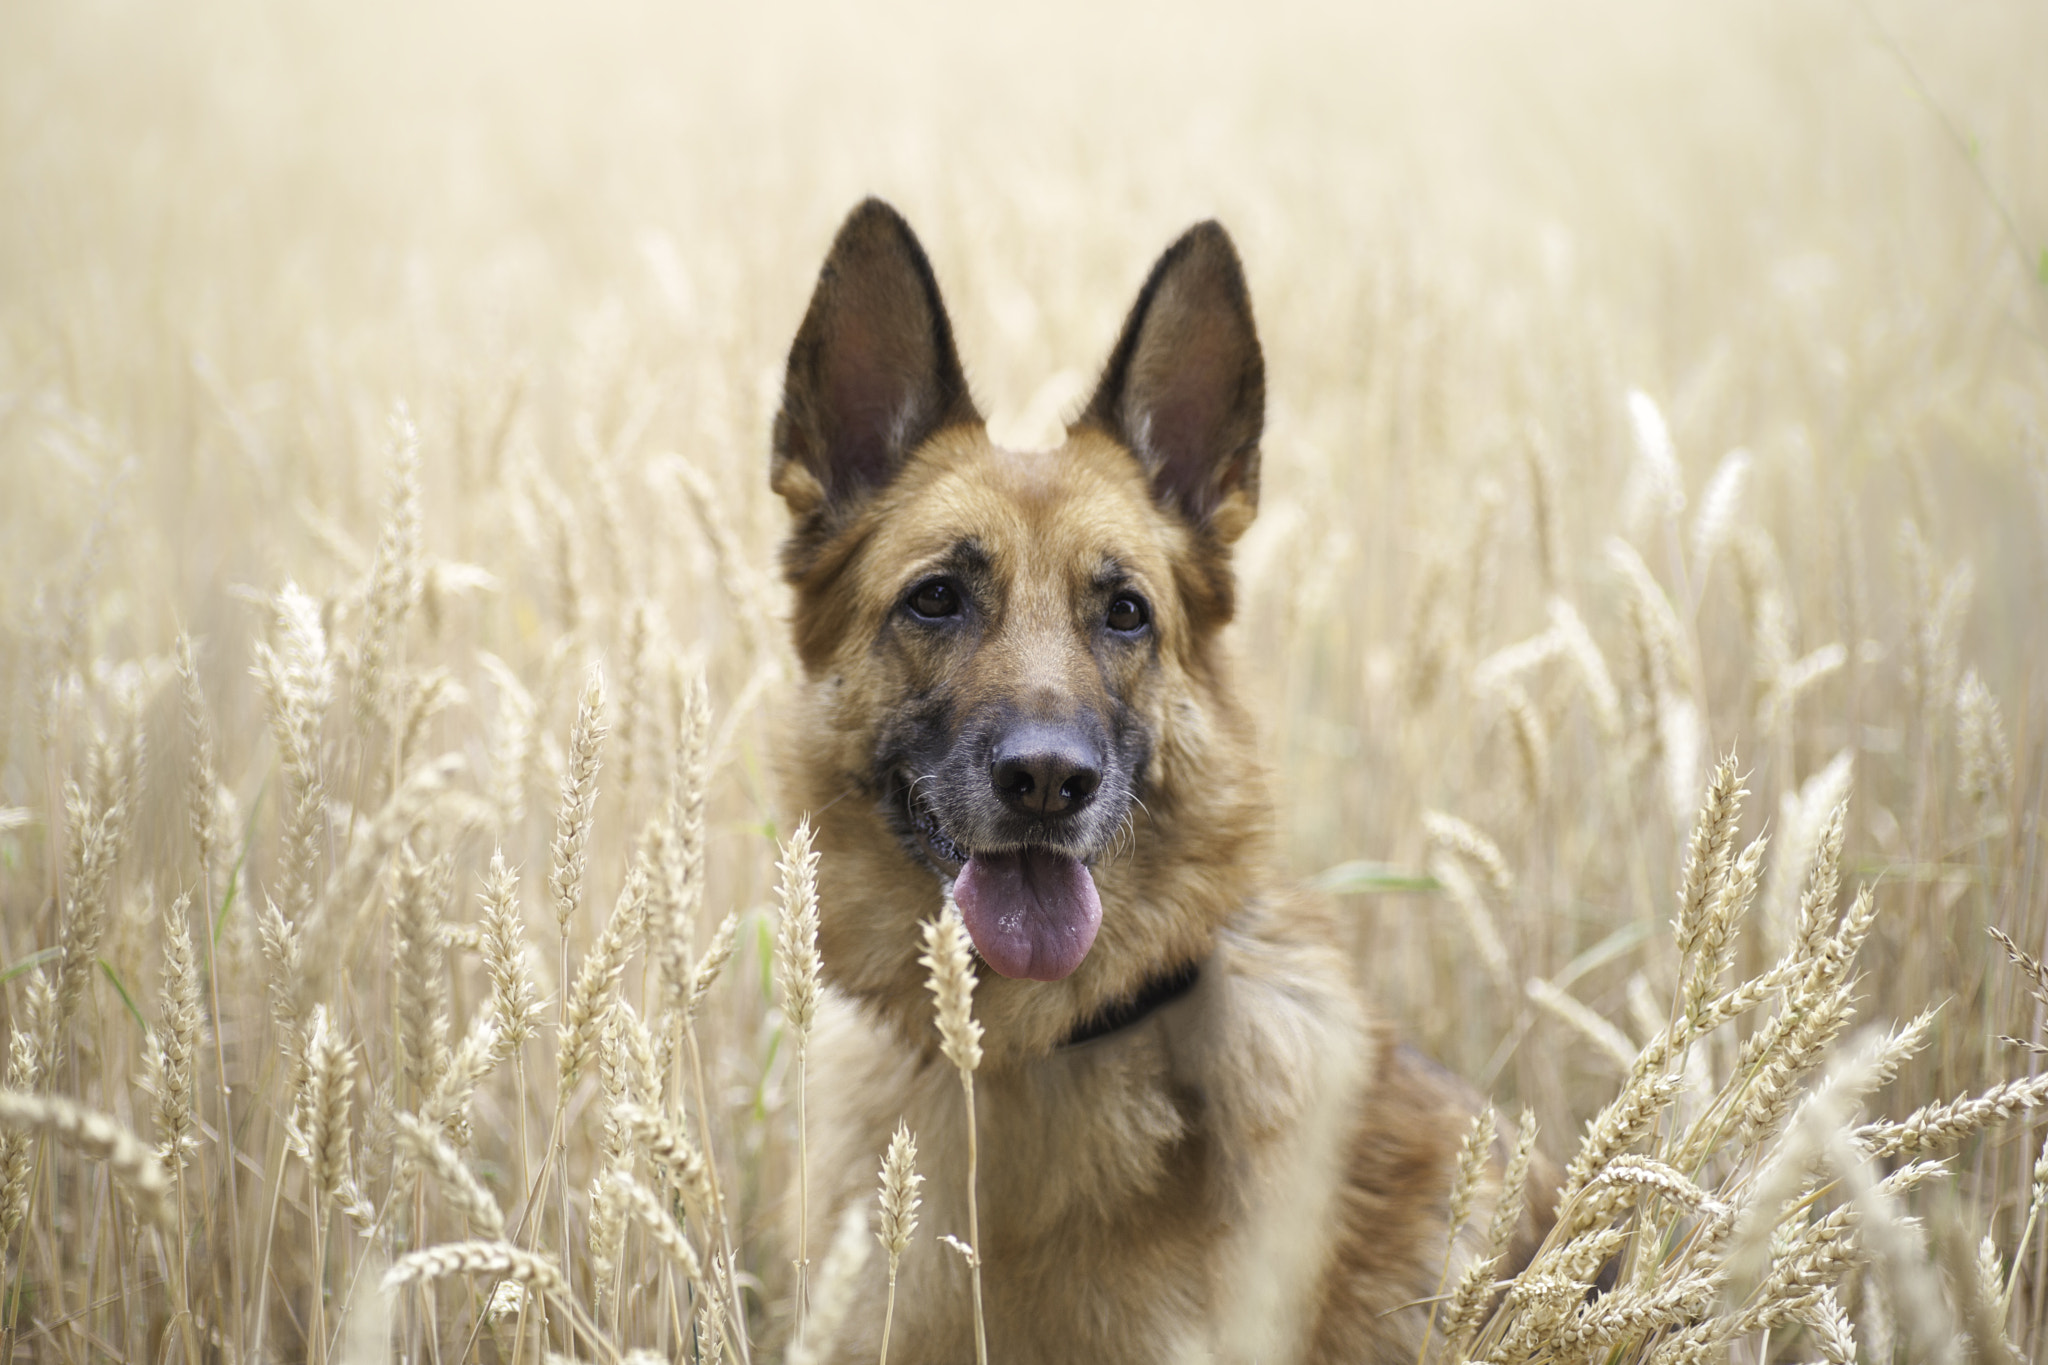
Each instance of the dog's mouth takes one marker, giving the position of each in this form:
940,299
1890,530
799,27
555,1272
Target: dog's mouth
1032,910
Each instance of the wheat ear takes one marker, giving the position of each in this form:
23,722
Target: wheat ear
530,1270
395,579
135,1167
579,797
646,1209
28,1045
899,1213
298,682
597,981
426,1146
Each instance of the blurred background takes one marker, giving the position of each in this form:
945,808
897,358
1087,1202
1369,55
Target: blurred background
1698,351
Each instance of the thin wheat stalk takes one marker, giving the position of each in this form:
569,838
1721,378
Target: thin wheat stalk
797,968
209,825
171,1058
837,1280
684,980
951,982
716,954
1473,1153
565,889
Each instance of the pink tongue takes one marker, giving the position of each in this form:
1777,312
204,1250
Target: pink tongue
1032,913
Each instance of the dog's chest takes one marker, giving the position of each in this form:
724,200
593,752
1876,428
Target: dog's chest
1132,1206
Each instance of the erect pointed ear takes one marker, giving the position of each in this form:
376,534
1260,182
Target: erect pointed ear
1185,387
872,372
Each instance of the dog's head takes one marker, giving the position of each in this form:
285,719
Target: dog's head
1011,660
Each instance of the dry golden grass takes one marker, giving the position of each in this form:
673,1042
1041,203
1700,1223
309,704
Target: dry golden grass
1647,383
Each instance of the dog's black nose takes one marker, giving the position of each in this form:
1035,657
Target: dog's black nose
1045,771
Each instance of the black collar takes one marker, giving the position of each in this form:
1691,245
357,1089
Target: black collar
1156,993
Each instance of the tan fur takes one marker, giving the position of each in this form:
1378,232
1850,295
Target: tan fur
1252,1172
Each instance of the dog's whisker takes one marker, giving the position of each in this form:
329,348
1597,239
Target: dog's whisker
834,801
1125,842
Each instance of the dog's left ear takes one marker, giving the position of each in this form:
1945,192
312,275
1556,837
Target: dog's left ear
1185,387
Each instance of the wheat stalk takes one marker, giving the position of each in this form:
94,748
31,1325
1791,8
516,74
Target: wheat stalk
797,968
837,1280
950,978
1474,1151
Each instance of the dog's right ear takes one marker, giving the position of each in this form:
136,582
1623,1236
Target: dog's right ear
872,373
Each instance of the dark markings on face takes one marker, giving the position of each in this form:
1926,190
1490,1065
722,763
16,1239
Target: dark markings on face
1022,725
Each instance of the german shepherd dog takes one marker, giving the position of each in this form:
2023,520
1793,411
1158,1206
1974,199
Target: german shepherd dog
1195,1145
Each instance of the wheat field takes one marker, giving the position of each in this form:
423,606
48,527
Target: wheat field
402,947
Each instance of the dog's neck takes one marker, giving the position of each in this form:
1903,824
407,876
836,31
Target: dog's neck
1153,994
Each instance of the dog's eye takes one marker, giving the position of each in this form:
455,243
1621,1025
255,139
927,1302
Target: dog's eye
935,599
1127,613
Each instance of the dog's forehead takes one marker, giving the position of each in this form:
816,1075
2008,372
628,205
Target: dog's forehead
1063,510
